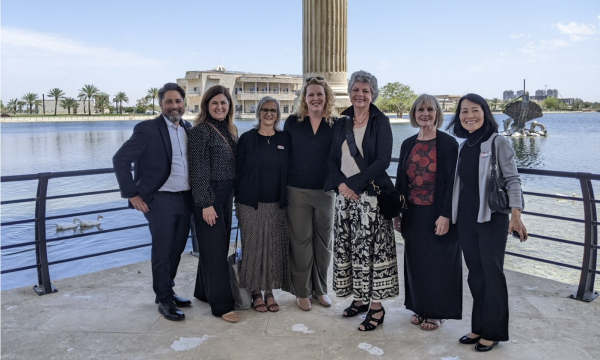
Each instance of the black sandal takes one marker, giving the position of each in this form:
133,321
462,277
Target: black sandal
354,309
368,326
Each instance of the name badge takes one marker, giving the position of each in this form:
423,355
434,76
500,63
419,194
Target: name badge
486,154
280,147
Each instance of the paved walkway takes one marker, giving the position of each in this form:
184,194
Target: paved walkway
111,315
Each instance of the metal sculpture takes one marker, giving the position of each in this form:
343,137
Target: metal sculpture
521,110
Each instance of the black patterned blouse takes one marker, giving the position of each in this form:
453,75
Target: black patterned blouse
210,158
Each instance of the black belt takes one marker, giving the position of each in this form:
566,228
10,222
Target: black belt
176,192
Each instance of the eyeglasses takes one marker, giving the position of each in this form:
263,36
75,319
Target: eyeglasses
314,77
266,111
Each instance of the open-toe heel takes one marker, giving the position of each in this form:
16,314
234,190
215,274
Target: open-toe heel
369,320
355,309
258,307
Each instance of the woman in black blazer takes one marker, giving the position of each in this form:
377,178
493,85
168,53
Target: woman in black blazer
432,257
261,200
364,263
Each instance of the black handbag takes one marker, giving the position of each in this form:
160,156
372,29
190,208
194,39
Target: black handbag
497,194
391,203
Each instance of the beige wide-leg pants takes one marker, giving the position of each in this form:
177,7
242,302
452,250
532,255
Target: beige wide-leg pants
310,220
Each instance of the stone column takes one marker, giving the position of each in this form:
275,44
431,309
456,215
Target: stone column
325,44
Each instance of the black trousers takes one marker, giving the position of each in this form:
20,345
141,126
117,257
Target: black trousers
212,279
483,246
169,222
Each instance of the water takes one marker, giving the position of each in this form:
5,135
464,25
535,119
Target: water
573,145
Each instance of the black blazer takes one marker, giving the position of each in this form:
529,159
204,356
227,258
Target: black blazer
447,153
149,148
247,177
377,152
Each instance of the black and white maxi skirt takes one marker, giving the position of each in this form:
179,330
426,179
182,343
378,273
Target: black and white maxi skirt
364,263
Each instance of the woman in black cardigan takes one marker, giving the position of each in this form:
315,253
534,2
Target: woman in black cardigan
364,263
261,200
432,257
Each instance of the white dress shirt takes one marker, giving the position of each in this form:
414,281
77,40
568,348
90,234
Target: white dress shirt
178,179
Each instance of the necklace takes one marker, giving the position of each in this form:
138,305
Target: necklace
361,121
471,145
268,137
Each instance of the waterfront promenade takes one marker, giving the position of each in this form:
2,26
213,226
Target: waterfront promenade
111,315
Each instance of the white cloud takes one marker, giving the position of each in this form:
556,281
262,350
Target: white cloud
57,50
516,36
576,31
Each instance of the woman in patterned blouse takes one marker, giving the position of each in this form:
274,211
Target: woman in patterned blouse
212,144
432,258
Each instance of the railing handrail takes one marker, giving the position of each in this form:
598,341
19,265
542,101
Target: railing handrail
588,269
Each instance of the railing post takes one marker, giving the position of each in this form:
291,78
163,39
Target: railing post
44,285
585,291
195,251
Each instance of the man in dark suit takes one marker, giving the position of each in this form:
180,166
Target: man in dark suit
160,189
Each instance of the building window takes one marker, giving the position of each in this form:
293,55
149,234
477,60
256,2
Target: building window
252,109
196,108
238,108
286,109
195,89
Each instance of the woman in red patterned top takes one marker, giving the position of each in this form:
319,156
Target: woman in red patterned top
432,257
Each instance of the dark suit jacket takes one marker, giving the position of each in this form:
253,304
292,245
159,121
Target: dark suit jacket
149,149
447,153
377,152
247,178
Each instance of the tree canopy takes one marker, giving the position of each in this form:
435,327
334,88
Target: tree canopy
56,93
396,97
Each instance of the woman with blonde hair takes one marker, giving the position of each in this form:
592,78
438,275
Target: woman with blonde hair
212,144
310,209
432,257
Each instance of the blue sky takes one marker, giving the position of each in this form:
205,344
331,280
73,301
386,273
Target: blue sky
437,47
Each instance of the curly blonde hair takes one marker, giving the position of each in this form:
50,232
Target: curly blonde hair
329,111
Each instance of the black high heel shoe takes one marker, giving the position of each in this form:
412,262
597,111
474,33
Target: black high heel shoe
368,326
354,309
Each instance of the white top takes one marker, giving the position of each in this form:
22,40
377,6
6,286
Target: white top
178,179
349,167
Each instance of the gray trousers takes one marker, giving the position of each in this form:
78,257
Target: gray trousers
310,220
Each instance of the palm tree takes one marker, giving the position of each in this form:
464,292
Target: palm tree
56,93
495,102
68,103
120,97
30,99
12,104
101,103
152,94
20,105
87,92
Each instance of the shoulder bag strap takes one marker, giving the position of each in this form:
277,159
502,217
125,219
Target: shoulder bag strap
360,161
223,137
494,165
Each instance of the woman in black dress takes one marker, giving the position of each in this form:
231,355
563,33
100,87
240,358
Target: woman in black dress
261,200
432,258
482,232
212,145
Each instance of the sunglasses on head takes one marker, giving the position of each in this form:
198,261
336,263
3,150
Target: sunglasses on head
314,77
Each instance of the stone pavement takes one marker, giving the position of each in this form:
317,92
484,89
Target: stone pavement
111,315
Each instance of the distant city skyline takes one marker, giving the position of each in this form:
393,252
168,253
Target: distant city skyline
445,48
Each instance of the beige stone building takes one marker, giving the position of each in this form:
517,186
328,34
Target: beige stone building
246,89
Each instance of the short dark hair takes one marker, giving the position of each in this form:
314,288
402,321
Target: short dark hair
169,87
489,123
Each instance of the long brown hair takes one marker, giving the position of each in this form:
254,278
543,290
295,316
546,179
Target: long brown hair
329,111
204,114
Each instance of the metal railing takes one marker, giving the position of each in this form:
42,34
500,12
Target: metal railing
588,269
